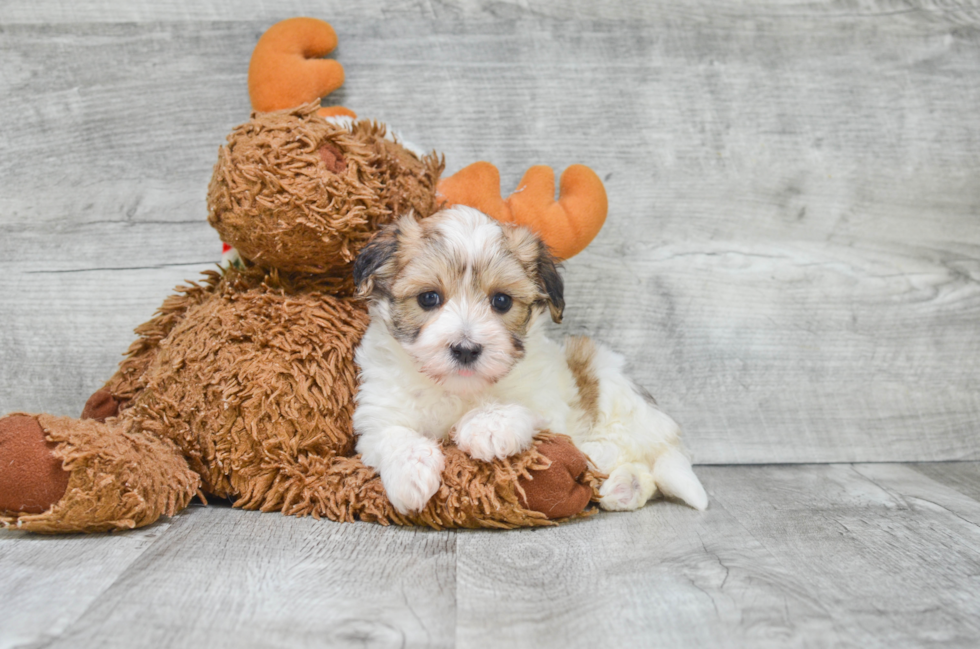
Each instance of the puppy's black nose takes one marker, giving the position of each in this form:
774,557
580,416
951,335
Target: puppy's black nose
466,354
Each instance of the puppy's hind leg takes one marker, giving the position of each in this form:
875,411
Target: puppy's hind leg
670,462
631,439
628,487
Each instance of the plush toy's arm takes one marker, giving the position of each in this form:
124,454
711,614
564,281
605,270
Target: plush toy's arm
286,70
549,481
567,225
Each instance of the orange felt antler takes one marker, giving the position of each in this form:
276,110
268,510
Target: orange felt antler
566,225
286,69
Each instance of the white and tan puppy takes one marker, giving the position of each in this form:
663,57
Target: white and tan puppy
456,347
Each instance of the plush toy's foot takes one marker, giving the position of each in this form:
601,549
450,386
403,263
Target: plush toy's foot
563,489
69,475
32,478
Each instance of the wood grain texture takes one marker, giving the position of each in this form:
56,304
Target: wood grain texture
961,12
867,555
814,556
665,576
792,258
48,583
228,578
961,476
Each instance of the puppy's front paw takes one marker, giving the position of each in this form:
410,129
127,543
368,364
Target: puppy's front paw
628,487
497,430
413,475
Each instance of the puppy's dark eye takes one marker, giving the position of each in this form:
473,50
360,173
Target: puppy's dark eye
501,302
429,300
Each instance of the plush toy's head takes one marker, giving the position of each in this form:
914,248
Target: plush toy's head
294,191
303,188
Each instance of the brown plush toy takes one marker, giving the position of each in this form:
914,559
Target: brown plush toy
242,385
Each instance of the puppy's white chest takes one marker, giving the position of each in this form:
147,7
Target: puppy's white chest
440,412
395,393
545,388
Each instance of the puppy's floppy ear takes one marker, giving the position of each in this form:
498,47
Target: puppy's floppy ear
550,281
376,262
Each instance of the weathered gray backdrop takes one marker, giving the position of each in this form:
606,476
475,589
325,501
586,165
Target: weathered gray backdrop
791,263
792,256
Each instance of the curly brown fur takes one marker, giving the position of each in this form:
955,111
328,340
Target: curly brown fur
242,384
250,396
126,383
280,201
473,494
254,378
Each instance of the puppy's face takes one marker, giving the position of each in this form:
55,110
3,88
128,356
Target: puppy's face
459,291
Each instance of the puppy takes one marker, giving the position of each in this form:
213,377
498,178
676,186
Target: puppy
456,348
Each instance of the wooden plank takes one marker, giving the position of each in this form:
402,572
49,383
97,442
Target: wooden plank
226,578
791,256
24,11
90,137
961,476
892,555
102,11
47,583
841,555
62,336
664,576
785,556
960,493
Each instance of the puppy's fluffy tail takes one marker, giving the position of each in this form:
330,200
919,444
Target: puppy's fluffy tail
675,478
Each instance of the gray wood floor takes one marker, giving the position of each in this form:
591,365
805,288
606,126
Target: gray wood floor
791,262
840,555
